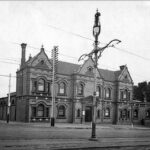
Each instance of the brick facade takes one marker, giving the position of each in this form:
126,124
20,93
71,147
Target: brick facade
74,86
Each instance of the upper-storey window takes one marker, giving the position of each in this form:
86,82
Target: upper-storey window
62,88
80,89
125,95
148,114
107,93
41,85
98,91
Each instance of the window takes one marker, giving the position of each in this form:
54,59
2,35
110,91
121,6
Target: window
49,88
33,111
148,114
135,113
125,94
34,86
98,91
80,89
62,88
47,112
41,85
13,102
61,111
107,112
98,113
121,95
78,113
40,110
107,93
128,95
124,114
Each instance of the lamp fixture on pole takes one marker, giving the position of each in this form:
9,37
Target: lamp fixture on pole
95,54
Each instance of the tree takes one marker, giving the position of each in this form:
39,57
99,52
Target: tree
142,91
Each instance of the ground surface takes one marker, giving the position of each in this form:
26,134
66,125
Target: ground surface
40,136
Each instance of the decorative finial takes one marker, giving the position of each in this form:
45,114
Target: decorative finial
42,47
30,56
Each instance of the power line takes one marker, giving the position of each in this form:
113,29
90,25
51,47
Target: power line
120,49
131,53
9,62
75,34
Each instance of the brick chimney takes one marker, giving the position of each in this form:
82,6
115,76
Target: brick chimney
122,67
23,55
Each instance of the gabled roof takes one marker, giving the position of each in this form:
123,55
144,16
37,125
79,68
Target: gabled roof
66,68
109,75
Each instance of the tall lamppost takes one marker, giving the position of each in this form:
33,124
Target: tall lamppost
95,55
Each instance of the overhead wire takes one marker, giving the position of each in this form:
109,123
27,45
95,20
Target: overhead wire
120,49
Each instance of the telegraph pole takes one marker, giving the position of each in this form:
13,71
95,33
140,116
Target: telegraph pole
55,61
95,54
8,103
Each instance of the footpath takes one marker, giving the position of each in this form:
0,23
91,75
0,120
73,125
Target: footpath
76,142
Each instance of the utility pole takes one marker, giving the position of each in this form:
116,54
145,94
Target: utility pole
8,103
54,68
95,54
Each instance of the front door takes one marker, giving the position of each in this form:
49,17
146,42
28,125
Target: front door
88,114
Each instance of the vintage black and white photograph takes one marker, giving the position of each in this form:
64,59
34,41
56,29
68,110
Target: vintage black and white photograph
75,75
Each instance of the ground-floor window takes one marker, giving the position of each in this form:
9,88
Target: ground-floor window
40,111
98,113
135,114
78,113
124,114
61,111
107,112
148,114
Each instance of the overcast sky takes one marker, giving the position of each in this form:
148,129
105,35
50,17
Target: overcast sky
30,22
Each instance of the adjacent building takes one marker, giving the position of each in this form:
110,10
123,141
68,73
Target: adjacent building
32,101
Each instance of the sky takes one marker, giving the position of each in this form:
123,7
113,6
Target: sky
68,25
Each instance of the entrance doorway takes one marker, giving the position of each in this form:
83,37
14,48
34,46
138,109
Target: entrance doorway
88,113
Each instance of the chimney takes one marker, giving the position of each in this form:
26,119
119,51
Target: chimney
122,67
23,55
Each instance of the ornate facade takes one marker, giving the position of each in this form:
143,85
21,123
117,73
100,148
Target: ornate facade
32,101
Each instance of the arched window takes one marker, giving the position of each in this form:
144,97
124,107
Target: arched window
148,114
41,85
78,113
98,91
80,89
13,102
40,110
98,113
135,113
108,93
62,88
61,111
125,94
124,114
107,112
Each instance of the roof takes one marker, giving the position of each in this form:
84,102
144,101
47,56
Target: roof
108,74
68,68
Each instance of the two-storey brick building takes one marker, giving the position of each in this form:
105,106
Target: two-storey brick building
32,100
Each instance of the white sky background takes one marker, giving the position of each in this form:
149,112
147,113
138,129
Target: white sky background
28,21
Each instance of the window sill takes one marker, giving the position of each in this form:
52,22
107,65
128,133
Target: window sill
61,117
107,117
59,94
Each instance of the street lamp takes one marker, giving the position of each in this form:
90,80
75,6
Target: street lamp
95,55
